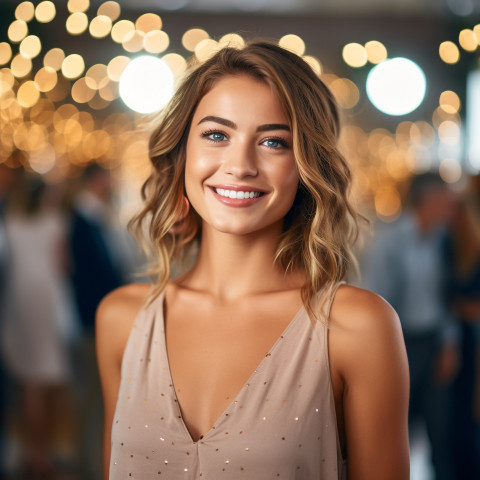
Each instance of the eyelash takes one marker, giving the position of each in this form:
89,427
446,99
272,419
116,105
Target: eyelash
280,140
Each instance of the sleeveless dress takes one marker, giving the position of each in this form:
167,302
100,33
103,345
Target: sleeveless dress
281,424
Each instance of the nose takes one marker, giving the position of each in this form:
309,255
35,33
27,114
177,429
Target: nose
240,161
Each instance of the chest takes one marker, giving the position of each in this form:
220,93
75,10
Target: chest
213,353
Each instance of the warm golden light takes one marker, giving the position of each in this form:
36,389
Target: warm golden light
27,94
109,92
77,23
110,9
440,115
376,51
46,79
5,53
354,55
206,49
450,101
314,63
96,144
73,66
191,38
96,76
100,26
449,132
468,40
422,134
345,92
78,5
21,66
133,41
449,52
81,92
476,31
293,43
232,40
61,90
25,11
54,58
120,29
17,31
30,46
148,22
450,170
387,201
45,11
156,41
176,62
116,66
7,80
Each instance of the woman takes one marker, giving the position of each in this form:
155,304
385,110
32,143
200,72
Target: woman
245,163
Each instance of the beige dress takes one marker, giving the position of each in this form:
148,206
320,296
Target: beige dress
281,424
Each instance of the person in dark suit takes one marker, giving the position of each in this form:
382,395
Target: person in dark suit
96,270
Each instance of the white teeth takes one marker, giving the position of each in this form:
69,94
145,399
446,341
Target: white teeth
235,194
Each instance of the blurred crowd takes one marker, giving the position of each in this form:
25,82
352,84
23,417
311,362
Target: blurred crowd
62,249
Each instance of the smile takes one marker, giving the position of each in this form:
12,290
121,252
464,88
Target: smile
236,194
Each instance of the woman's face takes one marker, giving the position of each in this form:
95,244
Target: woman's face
240,174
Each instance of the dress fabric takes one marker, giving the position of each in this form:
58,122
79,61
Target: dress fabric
281,424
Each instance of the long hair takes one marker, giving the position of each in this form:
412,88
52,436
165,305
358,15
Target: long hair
321,226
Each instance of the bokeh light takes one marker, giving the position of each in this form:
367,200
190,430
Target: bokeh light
30,46
293,43
110,9
450,170
376,51
156,41
396,86
78,5
148,22
17,31
146,84
206,49
176,62
314,63
232,40
450,101
191,38
25,11
468,40
21,66
133,41
97,76
27,94
54,58
120,30
449,52
116,66
73,66
76,23
5,53
45,79
355,55
100,26
45,11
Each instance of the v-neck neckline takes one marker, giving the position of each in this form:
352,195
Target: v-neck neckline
245,385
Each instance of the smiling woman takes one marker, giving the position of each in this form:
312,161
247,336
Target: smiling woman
257,362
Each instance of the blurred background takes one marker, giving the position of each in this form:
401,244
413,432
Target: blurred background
78,82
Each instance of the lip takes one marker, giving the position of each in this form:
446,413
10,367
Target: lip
237,202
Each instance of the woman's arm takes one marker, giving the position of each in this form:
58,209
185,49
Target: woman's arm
370,370
115,316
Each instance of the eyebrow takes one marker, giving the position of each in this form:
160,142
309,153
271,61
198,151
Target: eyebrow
228,123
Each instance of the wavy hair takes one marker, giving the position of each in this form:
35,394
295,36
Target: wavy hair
321,227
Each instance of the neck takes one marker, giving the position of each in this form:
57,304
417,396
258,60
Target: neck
231,266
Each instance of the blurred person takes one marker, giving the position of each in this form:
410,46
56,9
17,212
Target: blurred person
96,270
37,319
406,266
463,253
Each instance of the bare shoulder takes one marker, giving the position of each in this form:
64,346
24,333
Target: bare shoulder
117,312
358,310
363,326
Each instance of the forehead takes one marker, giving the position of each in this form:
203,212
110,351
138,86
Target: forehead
241,94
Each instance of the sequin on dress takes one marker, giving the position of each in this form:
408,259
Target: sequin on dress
281,424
